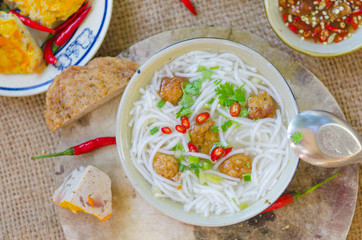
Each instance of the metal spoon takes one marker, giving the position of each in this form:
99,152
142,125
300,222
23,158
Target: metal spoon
328,140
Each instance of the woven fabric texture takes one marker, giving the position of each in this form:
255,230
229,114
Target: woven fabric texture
26,186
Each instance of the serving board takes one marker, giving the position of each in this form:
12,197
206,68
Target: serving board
325,213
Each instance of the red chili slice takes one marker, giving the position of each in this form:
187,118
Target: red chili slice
354,23
180,128
324,35
338,38
285,17
192,147
235,109
166,130
202,117
293,28
227,150
185,122
216,153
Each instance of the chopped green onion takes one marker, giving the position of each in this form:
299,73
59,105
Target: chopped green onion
247,177
213,178
206,165
180,159
206,107
226,125
216,67
234,200
211,101
244,112
243,206
153,130
181,168
178,146
188,136
160,103
216,82
201,68
248,164
200,165
206,74
195,169
215,129
202,177
193,159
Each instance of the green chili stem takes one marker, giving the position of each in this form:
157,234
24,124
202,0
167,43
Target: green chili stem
298,195
69,151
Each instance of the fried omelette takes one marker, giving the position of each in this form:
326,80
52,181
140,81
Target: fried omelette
46,12
78,90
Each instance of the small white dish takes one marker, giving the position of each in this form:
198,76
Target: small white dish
77,51
124,133
304,46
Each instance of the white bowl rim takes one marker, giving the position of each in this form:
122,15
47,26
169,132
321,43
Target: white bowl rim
306,50
151,199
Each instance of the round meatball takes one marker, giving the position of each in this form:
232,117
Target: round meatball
202,136
261,106
166,166
236,165
171,89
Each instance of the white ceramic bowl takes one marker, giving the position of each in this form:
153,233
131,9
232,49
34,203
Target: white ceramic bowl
82,46
308,47
132,94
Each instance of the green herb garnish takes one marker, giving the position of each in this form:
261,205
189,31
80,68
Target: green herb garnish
247,177
201,68
160,103
226,125
178,146
216,67
180,159
181,168
297,137
188,136
217,81
193,159
206,74
243,112
215,129
211,101
234,200
195,169
248,164
153,130
228,96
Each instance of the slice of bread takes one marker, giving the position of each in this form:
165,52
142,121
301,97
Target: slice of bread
19,53
79,90
86,189
47,13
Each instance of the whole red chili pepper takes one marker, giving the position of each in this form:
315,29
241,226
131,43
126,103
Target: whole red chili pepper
83,147
189,6
68,31
48,53
71,18
26,21
289,198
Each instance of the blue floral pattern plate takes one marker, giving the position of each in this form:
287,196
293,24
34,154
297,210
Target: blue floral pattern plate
77,51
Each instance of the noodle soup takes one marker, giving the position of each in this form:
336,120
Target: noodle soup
209,132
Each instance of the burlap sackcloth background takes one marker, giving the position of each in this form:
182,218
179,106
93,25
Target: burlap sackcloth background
26,186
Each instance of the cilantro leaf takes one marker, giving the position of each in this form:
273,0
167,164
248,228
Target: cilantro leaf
193,88
178,146
206,74
226,125
184,112
228,96
186,101
297,137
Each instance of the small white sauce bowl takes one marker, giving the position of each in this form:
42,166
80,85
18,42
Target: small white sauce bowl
311,48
